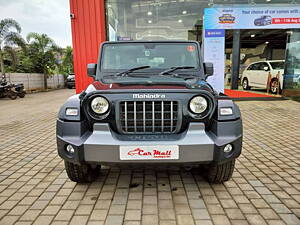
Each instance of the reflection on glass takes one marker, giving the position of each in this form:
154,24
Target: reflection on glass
292,65
164,19
154,20
155,55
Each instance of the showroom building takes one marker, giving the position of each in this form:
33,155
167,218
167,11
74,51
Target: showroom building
234,34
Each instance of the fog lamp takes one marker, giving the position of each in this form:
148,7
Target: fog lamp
70,149
228,148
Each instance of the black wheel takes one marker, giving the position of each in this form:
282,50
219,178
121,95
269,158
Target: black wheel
82,173
245,84
22,94
12,95
274,86
70,87
219,173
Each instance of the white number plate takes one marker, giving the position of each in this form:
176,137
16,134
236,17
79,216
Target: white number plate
149,152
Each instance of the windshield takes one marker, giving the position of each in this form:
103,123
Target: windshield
277,65
159,56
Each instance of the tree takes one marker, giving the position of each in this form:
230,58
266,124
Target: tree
9,38
66,67
44,51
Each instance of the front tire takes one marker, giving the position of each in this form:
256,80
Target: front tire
219,173
84,173
274,86
22,94
12,95
246,84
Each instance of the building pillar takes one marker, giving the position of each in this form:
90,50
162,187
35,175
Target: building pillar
236,50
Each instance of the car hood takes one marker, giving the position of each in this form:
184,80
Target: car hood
97,85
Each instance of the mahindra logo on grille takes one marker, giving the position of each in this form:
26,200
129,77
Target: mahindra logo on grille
142,96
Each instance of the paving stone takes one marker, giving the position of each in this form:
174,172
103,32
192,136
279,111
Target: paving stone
114,220
84,210
166,214
215,209
134,204
200,214
149,220
18,210
268,214
132,223
182,210
239,222
98,214
185,220
133,215
220,220
255,219
165,204
9,220
149,209
203,222
234,214
290,219
43,220
64,215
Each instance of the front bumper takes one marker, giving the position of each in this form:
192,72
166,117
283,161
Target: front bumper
101,146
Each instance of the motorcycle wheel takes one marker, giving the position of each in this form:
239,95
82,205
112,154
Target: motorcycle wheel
12,95
22,94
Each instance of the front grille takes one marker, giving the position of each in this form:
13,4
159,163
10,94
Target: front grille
148,117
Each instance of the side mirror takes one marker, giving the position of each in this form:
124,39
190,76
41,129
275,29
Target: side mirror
91,70
266,68
208,69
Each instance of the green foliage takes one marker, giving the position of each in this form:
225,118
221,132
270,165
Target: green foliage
38,54
9,38
66,67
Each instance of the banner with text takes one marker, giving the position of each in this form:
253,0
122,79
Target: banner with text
252,17
214,42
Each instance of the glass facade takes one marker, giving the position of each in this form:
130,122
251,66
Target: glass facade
183,20
164,19
292,63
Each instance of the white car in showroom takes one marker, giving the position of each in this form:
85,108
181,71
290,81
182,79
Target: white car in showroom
257,73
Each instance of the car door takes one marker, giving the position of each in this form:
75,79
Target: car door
264,70
254,74
248,74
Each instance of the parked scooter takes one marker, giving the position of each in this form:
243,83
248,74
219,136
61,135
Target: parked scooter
10,90
19,88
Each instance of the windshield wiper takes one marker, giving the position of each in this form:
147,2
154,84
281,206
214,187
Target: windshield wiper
126,72
172,69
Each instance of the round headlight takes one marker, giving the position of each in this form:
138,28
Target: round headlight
99,105
198,104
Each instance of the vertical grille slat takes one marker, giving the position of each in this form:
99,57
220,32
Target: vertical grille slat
153,117
126,124
162,116
144,116
171,126
134,115
148,117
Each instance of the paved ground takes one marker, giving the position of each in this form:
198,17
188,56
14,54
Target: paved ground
34,187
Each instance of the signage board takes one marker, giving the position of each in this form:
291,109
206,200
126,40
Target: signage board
214,42
218,19
252,17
